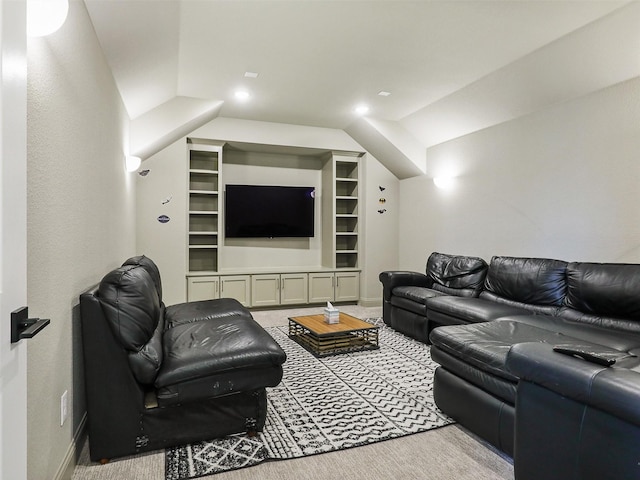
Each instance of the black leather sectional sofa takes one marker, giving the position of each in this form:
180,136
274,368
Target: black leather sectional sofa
539,361
159,376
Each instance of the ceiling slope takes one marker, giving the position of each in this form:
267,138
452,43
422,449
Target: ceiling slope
167,123
593,57
391,144
452,67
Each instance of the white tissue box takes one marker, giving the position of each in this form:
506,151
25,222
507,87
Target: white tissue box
331,315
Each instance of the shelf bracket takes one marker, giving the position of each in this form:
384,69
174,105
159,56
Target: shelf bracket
24,327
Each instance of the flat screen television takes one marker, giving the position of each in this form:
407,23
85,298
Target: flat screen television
268,211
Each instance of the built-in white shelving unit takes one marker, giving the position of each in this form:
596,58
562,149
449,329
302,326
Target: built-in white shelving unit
203,214
336,279
346,217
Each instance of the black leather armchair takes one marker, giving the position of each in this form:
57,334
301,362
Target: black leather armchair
159,376
575,419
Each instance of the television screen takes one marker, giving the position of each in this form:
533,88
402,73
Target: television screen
253,211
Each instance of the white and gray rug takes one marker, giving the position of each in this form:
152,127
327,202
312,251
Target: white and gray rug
328,404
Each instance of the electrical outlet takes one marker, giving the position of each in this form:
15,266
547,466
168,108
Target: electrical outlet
64,407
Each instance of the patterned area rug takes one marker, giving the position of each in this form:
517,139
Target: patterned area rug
328,404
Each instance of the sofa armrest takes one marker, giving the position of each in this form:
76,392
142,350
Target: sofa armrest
393,279
610,389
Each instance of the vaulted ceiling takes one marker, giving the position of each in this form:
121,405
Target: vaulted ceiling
317,60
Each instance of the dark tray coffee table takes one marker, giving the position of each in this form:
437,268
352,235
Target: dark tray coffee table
323,339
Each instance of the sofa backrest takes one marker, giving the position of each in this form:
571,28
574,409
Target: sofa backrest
537,284
151,268
603,294
456,274
131,306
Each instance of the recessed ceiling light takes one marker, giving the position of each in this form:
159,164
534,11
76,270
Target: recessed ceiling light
383,93
251,74
242,95
362,109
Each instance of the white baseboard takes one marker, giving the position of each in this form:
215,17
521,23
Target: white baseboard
370,302
68,465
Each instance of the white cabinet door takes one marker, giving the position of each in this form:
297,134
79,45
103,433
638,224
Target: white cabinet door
293,288
321,287
203,288
265,290
347,286
236,286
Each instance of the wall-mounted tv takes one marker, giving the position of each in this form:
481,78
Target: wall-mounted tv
268,211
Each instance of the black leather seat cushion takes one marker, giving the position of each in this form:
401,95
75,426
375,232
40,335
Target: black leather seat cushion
190,312
485,345
499,387
216,357
606,337
416,294
413,299
470,310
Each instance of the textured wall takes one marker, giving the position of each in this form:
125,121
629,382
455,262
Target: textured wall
380,217
561,182
81,216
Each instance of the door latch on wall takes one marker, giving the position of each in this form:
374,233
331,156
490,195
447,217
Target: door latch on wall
24,327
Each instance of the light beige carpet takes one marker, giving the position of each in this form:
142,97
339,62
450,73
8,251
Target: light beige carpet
445,453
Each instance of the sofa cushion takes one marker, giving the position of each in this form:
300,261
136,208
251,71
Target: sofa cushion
467,310
146,362
525,307
604,289
392,279
217,357
190,312
151,268
486,345
456,274
604,322
623,341
413,299
130,303
131,306
534,281
416,294
497,386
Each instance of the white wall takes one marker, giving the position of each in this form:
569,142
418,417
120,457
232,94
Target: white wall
560,183
165,243
379,244
80,220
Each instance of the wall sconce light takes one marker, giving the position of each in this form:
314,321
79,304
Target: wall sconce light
443,182
132,163
45,16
